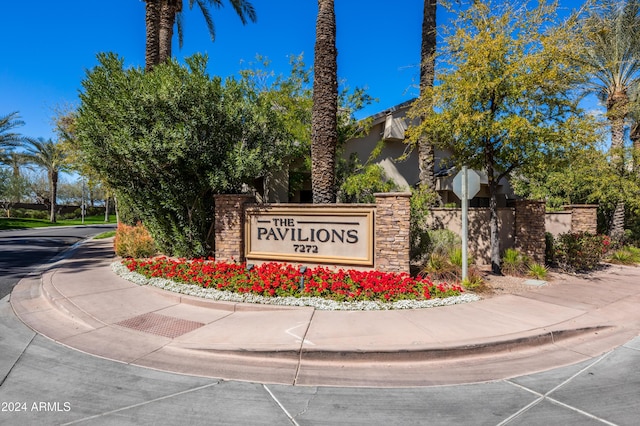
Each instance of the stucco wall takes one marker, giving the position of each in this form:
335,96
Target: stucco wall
479,241
557,222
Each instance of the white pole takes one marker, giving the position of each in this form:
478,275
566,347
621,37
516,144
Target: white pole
82,206
465,222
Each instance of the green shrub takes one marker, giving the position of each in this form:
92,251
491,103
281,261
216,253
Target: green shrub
538,271
627,255
635,251
439,267
31,214
455,258
474,281
517,264
361,185
445,261
421,201
581,251
443,241
134,241
444,255
514,263
167,141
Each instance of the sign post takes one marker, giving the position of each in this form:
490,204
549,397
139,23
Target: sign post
466,184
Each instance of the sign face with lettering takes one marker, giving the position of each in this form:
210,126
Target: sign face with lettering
315,234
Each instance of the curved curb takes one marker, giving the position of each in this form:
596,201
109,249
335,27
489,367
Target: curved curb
338,359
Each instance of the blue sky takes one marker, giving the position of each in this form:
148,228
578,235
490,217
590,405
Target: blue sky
48,45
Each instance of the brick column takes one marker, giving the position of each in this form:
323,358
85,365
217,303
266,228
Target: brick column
530,228
229,226
393,215
584,218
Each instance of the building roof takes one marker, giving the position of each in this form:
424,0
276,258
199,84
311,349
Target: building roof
380,116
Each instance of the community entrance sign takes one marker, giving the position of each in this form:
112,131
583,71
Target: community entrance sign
342,236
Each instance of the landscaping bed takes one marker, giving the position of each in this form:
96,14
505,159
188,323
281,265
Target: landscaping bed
285,284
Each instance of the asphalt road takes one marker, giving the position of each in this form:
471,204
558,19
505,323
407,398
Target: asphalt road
42,382
24,251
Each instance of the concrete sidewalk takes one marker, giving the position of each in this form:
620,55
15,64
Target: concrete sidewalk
82,304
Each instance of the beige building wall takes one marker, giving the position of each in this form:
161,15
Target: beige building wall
405,173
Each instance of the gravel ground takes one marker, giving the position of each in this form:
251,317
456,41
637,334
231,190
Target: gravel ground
504,284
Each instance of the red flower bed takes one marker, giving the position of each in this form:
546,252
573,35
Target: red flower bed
280,279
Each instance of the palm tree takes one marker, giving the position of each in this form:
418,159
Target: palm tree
612,33
324,113
12,159
634,132
426,155
9,139
48,155
152,24
162,15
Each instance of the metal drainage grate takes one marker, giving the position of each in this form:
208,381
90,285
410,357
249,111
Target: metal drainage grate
161,325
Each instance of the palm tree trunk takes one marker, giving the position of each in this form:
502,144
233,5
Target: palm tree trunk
168,11
616,107
152,21
53,185
324,119
617,223
426,155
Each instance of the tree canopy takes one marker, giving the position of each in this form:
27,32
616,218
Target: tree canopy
506,99
611,50
166,141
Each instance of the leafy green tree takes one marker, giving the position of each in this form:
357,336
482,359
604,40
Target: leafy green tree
291,95
505,101
167,141
12,189
634,131
324,116
585,176
162,15
362,181
65,126
48,155
611,34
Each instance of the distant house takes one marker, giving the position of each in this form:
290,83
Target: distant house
390,126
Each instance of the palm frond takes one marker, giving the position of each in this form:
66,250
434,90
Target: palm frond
612,35
8,138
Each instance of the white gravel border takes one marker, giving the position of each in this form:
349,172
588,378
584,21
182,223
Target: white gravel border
315,302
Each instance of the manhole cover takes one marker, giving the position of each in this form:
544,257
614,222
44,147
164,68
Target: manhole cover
161,325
